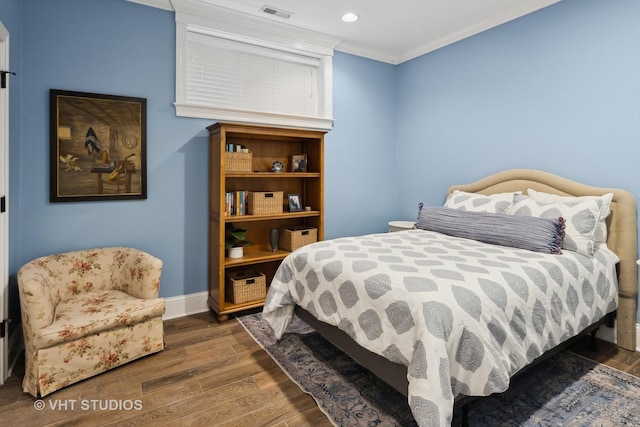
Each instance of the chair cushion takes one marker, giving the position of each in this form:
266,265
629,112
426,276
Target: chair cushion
92,312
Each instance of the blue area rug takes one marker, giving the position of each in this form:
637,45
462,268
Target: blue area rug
565,390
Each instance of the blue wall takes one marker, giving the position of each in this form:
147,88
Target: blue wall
115,48
556,90
122,48
360,183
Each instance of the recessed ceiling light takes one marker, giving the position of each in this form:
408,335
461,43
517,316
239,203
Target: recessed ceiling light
349,17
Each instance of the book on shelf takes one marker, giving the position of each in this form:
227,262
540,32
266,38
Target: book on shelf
236,148
236,203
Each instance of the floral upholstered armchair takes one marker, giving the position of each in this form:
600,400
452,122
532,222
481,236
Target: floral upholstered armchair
87,311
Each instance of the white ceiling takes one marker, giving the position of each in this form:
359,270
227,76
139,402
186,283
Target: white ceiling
389,31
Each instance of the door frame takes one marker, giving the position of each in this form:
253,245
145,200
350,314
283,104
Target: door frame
4,216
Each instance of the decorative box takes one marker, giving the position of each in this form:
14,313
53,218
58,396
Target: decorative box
294,238
237,162
246,285
265,202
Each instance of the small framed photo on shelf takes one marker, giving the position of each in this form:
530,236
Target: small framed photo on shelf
299,163
295,204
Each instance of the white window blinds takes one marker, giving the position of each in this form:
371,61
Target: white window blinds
233,77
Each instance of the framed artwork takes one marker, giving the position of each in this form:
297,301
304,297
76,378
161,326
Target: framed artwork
299,163
97,147
295,204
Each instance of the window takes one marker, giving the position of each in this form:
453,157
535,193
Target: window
234,77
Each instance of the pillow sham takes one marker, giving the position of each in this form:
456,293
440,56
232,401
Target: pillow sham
524,232
581,219
474,202
600,235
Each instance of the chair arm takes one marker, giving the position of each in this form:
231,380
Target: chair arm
140,274
38,299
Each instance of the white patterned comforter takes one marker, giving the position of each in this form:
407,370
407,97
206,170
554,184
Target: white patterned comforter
462,315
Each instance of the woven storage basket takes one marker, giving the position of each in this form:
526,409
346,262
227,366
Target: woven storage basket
246,285
237,162
294,238
265,202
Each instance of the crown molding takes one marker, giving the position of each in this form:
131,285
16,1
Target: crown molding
159,4
207,15
207,11
373,54
503,17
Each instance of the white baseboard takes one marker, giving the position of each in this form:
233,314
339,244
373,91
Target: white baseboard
184,305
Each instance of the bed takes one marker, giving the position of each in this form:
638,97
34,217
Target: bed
441,316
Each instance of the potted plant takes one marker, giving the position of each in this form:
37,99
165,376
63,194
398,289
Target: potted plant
235,240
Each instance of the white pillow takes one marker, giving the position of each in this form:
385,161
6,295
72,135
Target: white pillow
474,202
581,219
600,235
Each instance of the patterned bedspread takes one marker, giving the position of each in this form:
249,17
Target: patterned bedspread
462,315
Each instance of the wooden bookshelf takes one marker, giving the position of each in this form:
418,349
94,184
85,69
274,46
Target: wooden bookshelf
267,145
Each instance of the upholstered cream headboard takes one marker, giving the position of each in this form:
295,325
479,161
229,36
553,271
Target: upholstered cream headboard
622,231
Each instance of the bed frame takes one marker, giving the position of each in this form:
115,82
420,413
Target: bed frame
621,239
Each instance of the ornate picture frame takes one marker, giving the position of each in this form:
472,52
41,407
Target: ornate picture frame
97,147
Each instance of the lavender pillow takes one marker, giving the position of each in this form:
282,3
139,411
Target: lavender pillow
524,232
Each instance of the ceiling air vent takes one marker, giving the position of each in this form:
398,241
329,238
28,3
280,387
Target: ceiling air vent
276,12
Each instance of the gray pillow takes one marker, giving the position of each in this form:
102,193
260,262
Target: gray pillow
524,232
582,218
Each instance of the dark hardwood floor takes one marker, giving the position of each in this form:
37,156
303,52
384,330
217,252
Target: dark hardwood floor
209,374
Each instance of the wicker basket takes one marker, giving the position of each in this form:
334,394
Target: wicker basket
246,285
265,202
294,238
237,162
